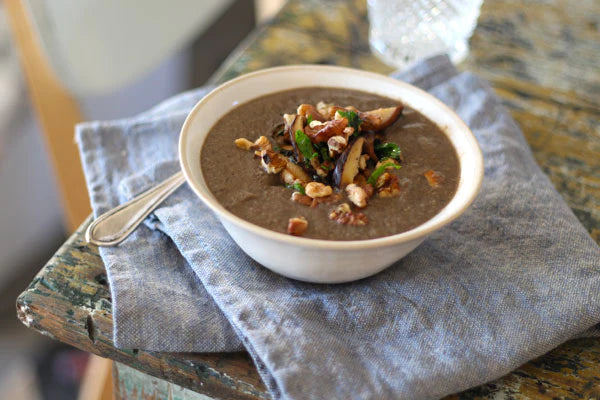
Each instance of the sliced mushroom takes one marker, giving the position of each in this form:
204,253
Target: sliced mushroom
272,162
297,124
278,134
369,147
346,167
296,172
336,144
376,120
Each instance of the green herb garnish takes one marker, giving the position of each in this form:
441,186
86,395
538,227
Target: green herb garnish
353,119
388,150
297,186
305,146
379,171
323,151
309,119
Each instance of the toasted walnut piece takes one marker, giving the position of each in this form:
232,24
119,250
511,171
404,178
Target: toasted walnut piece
387,185
336,145
322,133
297,226
383,180
434,178
301,198
342,214
348,131
387,161
369,190
243,143
262,143
357,195
362,162
287,177
332,198
317,189
316,164
339,210
324,109
316,123
272,162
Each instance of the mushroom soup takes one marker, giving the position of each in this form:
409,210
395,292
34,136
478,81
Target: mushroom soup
330,164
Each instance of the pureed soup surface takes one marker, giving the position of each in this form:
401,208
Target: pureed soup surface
242,186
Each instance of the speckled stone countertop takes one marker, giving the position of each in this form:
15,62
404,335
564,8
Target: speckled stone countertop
541,56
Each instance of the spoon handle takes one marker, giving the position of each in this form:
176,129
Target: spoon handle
112,227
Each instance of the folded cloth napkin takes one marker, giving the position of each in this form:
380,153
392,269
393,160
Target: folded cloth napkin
512,278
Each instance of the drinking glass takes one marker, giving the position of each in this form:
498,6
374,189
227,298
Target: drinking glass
405,31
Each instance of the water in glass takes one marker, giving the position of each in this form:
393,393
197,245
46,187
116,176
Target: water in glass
405,31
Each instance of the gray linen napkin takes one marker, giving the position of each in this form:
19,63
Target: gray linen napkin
511,279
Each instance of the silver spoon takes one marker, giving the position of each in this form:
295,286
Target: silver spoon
112,227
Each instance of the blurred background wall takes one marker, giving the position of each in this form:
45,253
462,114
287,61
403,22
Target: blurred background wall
31,214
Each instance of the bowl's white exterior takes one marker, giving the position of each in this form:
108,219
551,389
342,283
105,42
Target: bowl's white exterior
314,264
324,261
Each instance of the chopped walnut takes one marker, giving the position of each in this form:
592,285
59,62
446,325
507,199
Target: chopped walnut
297,226
342,214
317,167
361,180
336,145
357,195
434,178
317,189
321,133
387,161
325,109
302,199
243,143
262,143
332,198
387,185
272,162
348,131
315,123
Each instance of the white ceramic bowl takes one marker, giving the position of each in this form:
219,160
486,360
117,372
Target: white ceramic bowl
324,261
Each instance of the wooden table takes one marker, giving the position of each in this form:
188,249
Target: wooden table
541,57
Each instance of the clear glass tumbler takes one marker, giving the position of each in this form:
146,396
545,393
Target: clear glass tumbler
405,31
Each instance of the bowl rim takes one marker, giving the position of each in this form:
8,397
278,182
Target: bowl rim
415,233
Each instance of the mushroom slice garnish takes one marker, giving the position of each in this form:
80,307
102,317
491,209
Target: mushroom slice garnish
377,120
347,165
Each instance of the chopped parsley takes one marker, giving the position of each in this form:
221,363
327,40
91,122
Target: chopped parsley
309,119
305,146
323,151
296,186
388,150
379,171
353,119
